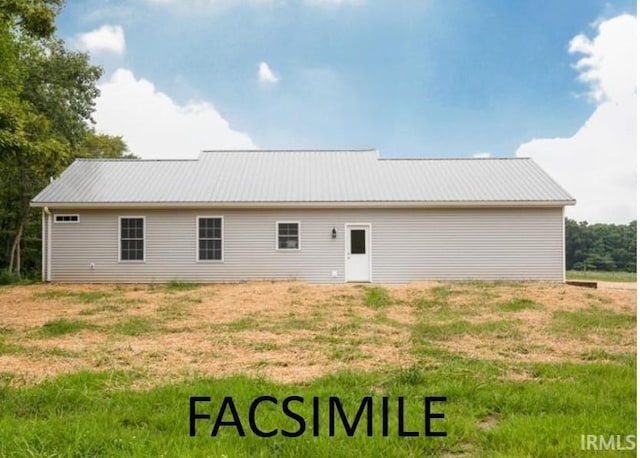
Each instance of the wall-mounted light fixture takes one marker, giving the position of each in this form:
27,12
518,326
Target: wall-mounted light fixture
334,234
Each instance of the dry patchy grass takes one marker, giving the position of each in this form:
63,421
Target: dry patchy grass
295,332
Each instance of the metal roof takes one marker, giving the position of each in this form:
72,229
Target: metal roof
304,177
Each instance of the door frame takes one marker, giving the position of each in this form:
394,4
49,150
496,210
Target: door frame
369,245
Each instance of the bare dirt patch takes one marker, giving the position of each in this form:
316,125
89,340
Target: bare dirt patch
617,285
294,332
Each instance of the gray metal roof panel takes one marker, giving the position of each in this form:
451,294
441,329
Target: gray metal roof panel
259,176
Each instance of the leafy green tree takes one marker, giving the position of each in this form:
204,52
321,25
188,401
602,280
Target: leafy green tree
47,96
607,247
103,146
32,17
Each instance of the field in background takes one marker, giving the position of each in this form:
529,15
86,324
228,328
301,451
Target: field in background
602,276
108,370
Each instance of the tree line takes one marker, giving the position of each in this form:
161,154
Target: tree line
47,97
608,247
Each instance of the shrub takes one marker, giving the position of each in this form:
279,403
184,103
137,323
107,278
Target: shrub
8,278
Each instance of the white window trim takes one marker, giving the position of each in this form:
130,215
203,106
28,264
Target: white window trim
144,240
209,261
55,218
299,236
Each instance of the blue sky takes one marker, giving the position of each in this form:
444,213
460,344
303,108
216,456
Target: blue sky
410,78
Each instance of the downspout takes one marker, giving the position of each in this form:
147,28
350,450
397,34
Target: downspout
44,266
564,250
46,210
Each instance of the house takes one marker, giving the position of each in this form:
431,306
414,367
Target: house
318,216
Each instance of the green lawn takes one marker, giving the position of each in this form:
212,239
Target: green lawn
601,276
486,413
527,368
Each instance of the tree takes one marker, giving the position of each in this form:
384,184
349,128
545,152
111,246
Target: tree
61,86
32,17
47,96
606,247
103,146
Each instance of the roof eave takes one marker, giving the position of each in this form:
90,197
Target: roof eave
346,204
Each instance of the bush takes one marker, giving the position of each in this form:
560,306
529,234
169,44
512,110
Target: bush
8,278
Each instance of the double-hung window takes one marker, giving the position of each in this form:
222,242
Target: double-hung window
209,238
288,235
132,238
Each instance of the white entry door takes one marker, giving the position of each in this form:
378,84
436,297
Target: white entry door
358,252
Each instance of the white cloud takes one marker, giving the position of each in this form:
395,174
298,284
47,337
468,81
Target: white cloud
154,126
108,38
265,74
482,155
597,165
606,65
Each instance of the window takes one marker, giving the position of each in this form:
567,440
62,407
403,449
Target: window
209,238
288,235
131,239
358,241
67,218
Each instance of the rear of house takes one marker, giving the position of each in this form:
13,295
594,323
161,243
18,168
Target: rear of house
317,216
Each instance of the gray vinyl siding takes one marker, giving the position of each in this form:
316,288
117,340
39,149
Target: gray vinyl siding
407,245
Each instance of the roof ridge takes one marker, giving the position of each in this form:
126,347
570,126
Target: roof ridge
128,159
452,158
309,150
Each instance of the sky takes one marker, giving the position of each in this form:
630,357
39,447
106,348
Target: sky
555,81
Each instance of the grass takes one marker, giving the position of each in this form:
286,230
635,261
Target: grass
376,297
86,297
594,320
243,324
97,414
264,346
62,326
438,310
482,345
516,305
176,307
627,277
135,326
601,355
107,308
13,349
447,331
294,322
441,292
180,286
346,353
7,348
